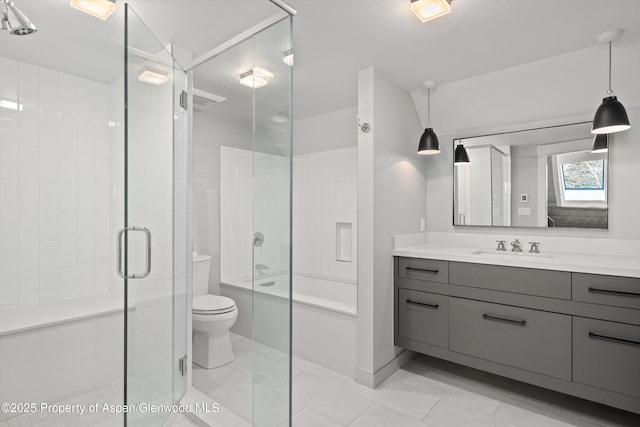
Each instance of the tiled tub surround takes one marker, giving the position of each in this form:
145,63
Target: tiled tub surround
538,320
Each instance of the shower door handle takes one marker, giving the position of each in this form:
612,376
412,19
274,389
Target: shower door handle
147,269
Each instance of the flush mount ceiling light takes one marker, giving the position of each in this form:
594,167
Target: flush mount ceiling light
429,140
461,157
279,118
153,77
600,143
427,10
99,8
256,78
287,58
611,117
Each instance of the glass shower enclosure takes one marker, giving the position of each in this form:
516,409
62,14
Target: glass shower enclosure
96,211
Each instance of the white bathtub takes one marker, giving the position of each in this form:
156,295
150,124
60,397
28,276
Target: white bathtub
324,317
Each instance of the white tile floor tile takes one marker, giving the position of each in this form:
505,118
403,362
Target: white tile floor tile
380,416
310,418
426,392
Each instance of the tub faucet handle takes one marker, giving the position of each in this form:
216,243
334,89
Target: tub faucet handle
515,246
501,245
534,248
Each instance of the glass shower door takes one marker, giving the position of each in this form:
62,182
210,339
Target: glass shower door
148,238
272,229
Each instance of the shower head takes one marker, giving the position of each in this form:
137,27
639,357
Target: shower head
15,21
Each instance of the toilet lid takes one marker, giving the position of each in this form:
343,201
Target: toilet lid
213,304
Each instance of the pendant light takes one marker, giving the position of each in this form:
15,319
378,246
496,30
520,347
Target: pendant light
461,157
600,143
611,117
429,140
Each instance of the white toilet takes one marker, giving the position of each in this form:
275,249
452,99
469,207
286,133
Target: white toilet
213,315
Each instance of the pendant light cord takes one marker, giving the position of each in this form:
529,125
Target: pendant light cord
610,92
428,107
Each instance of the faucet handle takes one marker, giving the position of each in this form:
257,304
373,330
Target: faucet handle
501,245
534,248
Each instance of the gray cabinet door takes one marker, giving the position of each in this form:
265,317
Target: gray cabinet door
534,340
423,317
607,355
607,290
530,281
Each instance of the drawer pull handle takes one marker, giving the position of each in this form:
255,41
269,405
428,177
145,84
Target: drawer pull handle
426,270
610,338
519,322
610,291
425,304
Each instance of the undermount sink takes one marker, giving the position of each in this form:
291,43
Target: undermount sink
511,255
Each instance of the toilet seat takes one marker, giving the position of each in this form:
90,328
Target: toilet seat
212,305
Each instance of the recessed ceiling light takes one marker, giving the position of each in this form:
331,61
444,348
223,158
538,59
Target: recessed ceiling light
10,105
255,78
287,58
99,8
426,10
153,77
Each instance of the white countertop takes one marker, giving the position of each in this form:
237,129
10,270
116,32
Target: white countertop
617,265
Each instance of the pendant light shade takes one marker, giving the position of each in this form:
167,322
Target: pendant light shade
461,157
600,143
611,117
429,143
429,140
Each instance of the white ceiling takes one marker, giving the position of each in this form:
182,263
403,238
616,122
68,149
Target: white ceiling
333,39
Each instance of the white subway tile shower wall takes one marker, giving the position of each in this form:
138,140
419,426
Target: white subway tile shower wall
239,193
54,186
324,194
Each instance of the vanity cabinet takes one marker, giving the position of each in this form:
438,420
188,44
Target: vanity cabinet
571,332
529,339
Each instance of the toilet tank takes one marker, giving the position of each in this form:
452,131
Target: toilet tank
201,266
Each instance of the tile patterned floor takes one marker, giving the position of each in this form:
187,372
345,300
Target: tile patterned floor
426,392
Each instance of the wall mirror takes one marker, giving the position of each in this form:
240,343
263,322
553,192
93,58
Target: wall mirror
545,177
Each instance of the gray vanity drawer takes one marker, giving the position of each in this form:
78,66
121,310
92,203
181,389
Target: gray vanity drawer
530,281
424,269
423,317
607,290
534,340
607,355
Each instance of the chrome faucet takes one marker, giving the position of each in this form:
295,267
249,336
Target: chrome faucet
515,246
501,245
534,248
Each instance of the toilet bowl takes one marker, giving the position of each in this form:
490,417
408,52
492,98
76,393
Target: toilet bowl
213,315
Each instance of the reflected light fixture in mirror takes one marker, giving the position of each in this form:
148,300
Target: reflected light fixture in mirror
611,117
600,143
153,77
429,140
461,157
99,8
255,78
427,10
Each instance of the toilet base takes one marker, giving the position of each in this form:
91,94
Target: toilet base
212,351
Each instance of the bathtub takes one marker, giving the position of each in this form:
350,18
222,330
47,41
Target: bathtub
324,317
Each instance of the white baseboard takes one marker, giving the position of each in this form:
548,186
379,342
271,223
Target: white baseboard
373,380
